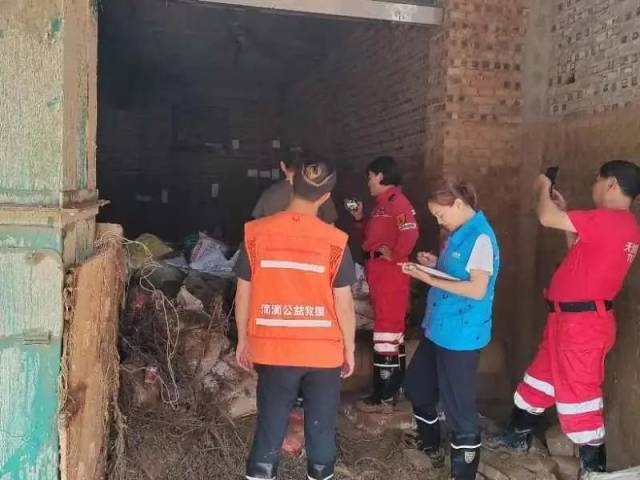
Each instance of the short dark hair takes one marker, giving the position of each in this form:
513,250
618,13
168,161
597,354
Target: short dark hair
313,180
388,167
627,174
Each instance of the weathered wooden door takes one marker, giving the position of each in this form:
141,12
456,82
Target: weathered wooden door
31,283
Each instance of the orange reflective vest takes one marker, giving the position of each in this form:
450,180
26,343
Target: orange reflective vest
294,260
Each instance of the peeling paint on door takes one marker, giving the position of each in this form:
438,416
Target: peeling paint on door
30,346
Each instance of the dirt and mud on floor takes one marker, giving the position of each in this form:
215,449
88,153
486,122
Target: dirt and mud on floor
187,411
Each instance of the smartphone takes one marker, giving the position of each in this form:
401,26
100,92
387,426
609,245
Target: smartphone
351,204
551,174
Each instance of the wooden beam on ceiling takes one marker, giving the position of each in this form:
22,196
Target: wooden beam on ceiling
363,9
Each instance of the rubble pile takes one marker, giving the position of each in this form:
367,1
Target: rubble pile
181,390
188,409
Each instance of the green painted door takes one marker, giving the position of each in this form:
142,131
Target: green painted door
31,309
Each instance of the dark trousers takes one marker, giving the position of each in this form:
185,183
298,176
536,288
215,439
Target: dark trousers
436,373
277,393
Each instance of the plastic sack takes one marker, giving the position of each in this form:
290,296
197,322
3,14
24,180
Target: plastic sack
216,263
206,246
138,254
360,289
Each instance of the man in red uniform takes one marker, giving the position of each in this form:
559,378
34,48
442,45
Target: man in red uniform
568,370
388,237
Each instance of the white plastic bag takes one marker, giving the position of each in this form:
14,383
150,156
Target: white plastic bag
207,246
215,263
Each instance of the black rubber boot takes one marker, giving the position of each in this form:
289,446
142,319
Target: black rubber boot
319,472
429,435
391,386
386,382
517,436
403,368
376,393
402,352
465,456
266,471
592,459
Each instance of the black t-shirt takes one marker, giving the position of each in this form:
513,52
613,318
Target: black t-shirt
346,273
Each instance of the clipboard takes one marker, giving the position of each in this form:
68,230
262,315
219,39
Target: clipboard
436,273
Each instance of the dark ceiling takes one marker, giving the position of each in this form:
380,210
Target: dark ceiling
146,43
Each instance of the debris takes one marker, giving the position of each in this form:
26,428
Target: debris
400,418
364,314
243,407
188,301
199,350
178,261
567,467
166,278
343,471
140,385
418,459
216,264
490,472
361,301
361,288
145,246
294,440
558,443
210,256
506,466
205,247
206,288
628,474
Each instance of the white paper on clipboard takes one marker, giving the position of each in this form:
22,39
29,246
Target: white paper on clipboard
437,273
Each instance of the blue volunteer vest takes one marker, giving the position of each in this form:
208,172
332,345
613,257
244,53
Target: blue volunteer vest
452,321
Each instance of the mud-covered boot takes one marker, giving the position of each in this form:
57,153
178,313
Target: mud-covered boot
429,435
517,436
465,456
319,472
262,471
593,458
386,383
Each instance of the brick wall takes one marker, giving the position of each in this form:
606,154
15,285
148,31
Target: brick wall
597,56
369,99
483,47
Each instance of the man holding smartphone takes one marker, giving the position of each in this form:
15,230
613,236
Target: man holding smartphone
568,370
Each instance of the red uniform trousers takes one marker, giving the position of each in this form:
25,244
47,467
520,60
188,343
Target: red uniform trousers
568,371
389,291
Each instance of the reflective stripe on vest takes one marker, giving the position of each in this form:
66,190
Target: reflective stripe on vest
290,265
302,323
294,260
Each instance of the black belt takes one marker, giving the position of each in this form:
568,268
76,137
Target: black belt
576,307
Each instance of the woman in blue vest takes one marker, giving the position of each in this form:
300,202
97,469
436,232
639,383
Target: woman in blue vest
457,325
